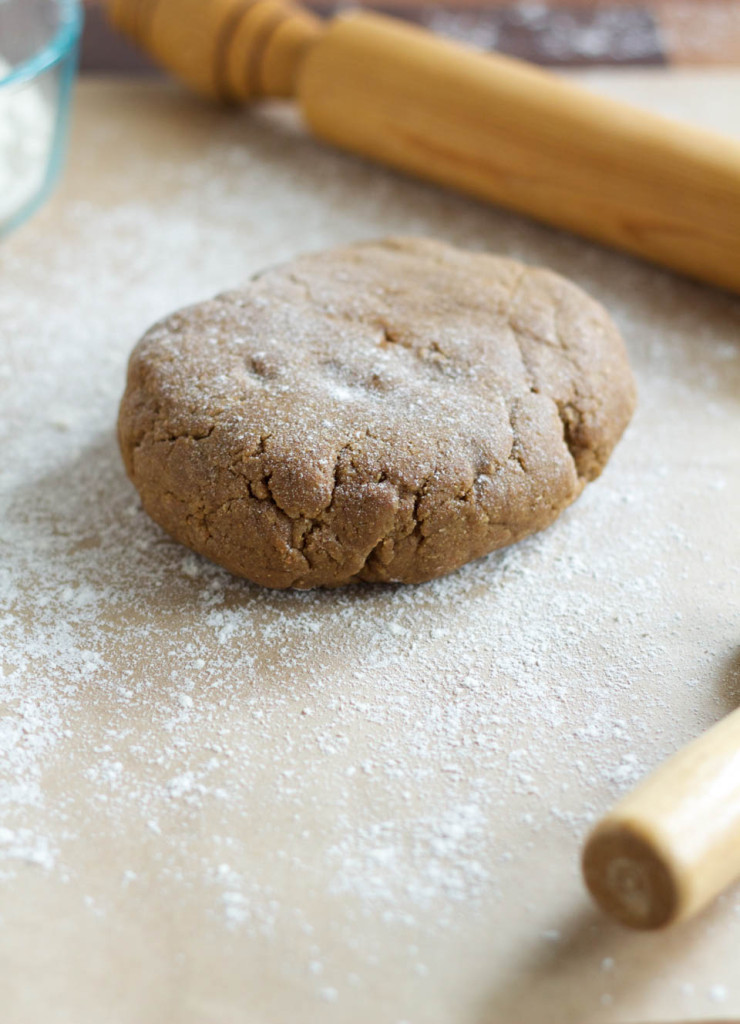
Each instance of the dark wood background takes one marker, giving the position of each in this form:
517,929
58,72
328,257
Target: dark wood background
554,32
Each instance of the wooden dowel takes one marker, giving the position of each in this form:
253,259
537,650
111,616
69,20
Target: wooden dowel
665,851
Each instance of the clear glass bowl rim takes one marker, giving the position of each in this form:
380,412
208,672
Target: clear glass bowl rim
58,47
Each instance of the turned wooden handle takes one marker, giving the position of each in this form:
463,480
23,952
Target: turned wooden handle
233,50
673,844
491,126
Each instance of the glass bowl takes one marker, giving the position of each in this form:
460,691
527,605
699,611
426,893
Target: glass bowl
38,59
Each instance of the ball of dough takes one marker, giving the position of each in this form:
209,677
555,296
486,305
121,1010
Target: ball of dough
386,411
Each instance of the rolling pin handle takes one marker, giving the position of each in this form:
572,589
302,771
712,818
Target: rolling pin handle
229,50
671,846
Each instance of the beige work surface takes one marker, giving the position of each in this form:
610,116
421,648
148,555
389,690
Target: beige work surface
222,804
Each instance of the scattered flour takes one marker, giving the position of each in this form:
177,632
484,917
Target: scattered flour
398,754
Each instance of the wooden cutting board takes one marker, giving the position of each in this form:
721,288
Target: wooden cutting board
221,804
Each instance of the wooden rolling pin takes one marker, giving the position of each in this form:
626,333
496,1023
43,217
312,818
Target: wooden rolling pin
670,847
491,126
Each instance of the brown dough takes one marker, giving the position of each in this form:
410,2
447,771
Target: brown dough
385,411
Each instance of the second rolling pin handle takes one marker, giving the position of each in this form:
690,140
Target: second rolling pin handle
666,850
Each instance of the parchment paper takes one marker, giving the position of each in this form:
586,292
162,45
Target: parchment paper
220,804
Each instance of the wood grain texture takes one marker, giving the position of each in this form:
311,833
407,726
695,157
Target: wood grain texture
508,132
673,844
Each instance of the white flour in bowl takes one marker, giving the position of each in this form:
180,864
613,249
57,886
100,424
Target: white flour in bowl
26,135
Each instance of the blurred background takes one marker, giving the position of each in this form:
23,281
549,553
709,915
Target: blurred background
555,32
